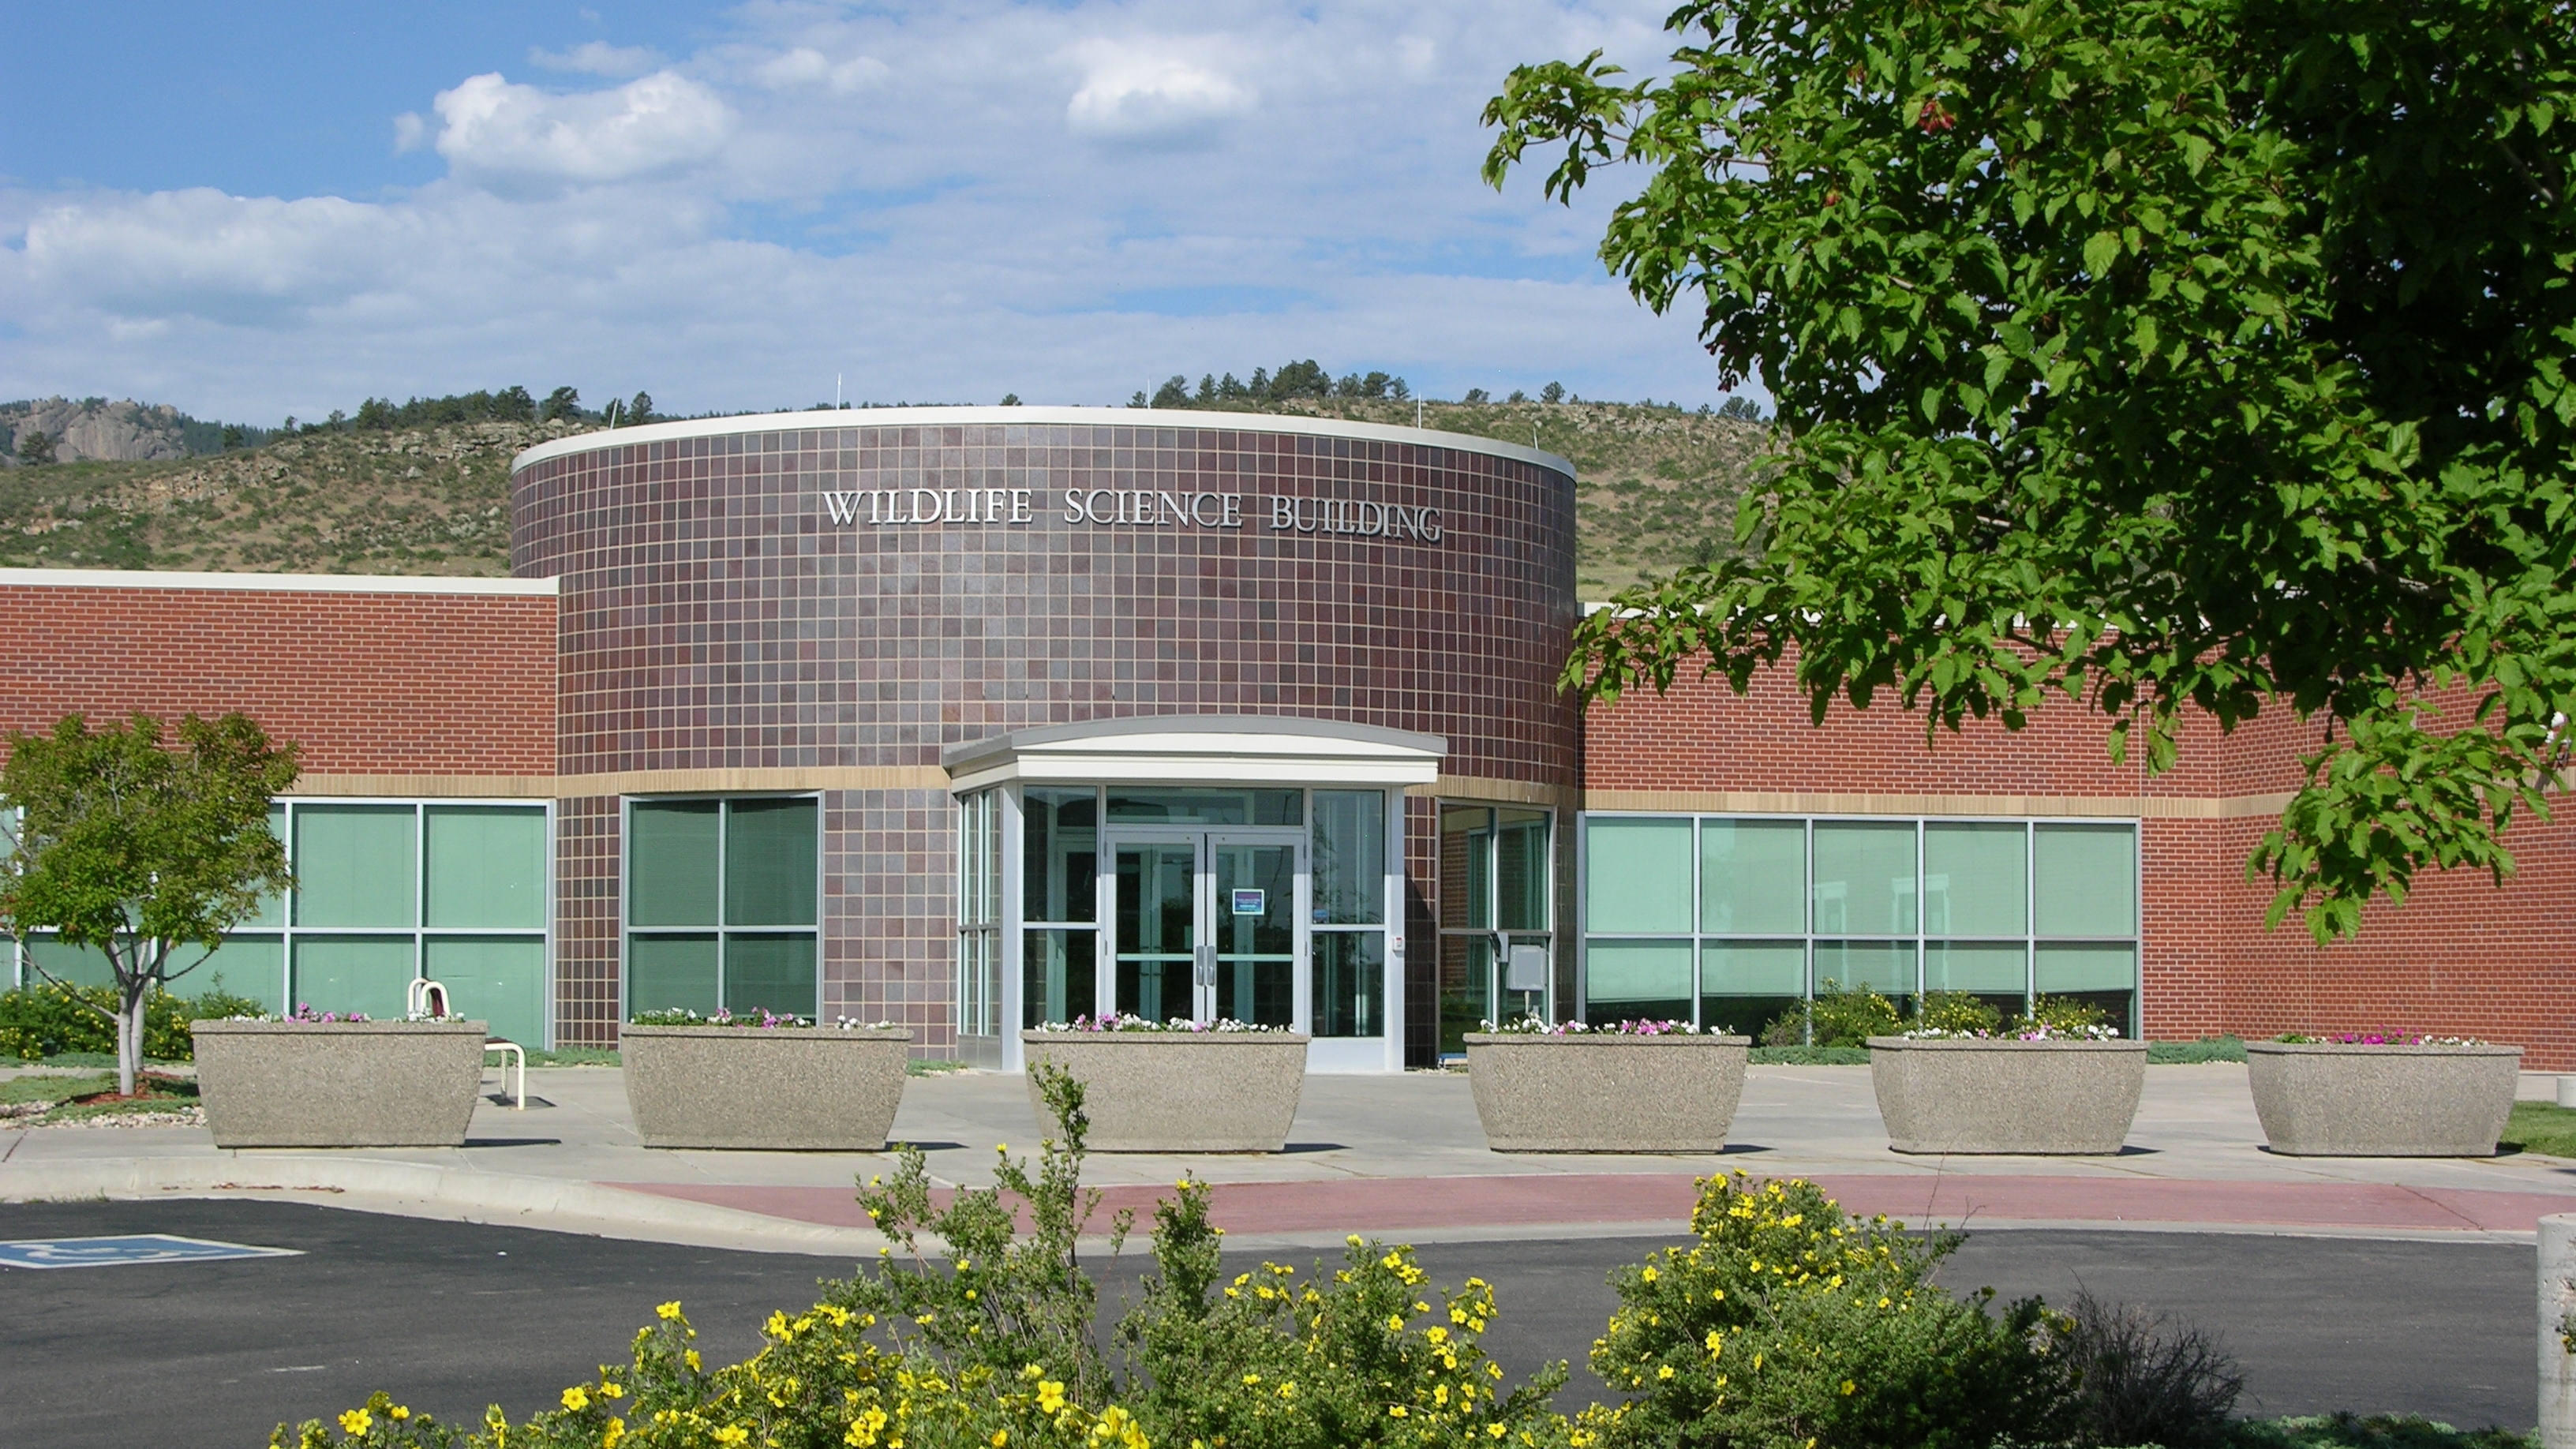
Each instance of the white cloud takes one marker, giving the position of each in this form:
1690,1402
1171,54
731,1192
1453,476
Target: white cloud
597,57
942,202
806,66
1152,89
518,137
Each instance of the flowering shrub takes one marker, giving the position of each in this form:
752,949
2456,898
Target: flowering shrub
1789,1323
1785,1325
2378,1038
1120,1021
1533,1026
2051,1018
1954,1012
47,1020
1838,1016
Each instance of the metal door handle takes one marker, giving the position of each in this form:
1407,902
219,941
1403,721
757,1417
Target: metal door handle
1206,973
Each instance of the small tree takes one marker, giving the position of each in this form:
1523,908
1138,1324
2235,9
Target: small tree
35,450
120,845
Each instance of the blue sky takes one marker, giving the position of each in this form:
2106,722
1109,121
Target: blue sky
254,210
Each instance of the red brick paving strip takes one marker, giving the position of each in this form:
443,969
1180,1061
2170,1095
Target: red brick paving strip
1396,1205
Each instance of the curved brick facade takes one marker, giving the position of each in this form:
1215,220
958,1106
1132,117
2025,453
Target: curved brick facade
741,596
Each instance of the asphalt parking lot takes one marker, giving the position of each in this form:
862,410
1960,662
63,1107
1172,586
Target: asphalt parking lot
450,1316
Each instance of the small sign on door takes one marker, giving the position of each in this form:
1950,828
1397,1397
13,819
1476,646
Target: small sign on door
1251,902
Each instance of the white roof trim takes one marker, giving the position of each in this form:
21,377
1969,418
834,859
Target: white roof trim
273,583
1201,420
1201,750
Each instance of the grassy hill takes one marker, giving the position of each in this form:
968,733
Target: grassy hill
1657,489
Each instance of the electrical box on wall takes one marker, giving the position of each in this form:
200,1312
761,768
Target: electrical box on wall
1525,969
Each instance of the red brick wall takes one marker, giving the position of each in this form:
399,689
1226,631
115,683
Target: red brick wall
392,683
2461,956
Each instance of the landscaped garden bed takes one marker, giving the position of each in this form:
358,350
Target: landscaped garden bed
1639,1086
2055,1082
2382,1094
1176,1086
763,1083
338,1081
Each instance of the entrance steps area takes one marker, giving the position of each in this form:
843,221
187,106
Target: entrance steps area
1399,1157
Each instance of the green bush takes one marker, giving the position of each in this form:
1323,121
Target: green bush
49,1020
1954,1011
2063,1015
2378,1431
1789,1324
2189,1053
1838,1017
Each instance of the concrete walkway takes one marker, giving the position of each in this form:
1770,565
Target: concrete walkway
1393,1156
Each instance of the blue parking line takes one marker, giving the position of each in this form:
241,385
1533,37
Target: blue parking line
133,1248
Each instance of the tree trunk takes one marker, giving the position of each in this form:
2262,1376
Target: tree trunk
128,1050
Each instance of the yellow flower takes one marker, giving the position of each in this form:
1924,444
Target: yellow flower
1396,1411
1001,1437
692,1360
616,1431
356,1421
1666,1372
732,1434
397,1413
669,1312
1649,1275
1496,1430
1849,1388
576,1398
612,1390
1050,1396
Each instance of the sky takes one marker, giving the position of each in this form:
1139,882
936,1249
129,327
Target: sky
255,210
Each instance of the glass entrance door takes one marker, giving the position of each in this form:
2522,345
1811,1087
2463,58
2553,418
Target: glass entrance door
1204,925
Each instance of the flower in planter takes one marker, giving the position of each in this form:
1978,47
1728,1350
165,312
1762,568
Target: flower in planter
1533,1026
1119,1021
2377,1038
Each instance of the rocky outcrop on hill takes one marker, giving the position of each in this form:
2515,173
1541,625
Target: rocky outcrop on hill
124,431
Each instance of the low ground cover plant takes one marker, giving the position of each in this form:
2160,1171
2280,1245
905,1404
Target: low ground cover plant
1120,1021
46,1021
2375,1038
759,1017
1536,1026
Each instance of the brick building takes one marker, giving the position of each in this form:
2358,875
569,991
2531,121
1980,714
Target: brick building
976,718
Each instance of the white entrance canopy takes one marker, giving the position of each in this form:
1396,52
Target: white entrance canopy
1211,749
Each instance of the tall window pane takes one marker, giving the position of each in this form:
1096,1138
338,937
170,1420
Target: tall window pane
1886,967
1467,867
1059,977
271,910
1350,983
770,861
1864,878
672,870
355,866
1980,968
1639,981
1059,856
487,867
1637,877
1753,877
1520,870
2087,880
496,979
1975,877
245,965
1349,864
1746,985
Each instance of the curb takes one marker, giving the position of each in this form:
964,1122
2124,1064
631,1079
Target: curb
421,1190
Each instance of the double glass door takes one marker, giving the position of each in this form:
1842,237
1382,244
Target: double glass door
1204,924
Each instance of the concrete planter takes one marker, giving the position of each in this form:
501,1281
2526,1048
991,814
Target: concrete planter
1604,1092
2320,1099
776,1089
2043,1098
341,1084
1153,1091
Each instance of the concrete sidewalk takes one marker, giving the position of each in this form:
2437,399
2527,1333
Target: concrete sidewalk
1395,1156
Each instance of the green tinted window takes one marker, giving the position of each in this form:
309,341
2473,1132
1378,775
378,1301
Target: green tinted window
1886,967
1864,881
2087,967
487,867
272,909
1975,876
372,974
1520,869
664,973
355,866
245,965
1753,968
1990,968
769,863
1623,971
1637,877
1350,857
499,980
2087,877
672,870
70,965
1753,877
773,972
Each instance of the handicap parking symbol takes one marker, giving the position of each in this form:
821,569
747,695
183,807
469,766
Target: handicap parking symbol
134,1248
